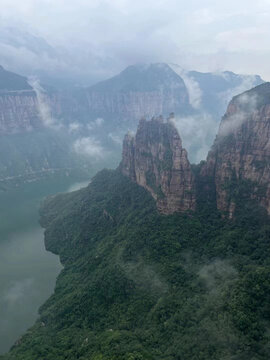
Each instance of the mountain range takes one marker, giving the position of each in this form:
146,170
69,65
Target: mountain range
164,259
85,125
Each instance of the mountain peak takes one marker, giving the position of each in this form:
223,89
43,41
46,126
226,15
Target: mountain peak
142,77
155,159
240,156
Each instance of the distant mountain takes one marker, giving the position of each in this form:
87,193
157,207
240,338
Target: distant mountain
32,145
142,77
100,115
218,88
139,90
211,92
12,82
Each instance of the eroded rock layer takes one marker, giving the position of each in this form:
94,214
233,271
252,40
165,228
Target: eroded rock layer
241,152
156,160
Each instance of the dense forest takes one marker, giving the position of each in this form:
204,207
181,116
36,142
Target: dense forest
140,285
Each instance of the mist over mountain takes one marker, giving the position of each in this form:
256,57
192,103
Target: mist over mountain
134,180
90,122
161,258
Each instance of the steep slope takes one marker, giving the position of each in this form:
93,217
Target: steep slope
137,284
156,160
240,158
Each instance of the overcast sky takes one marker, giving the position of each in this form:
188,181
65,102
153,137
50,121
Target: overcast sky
100,37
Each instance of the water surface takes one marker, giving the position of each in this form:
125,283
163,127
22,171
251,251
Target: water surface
27,272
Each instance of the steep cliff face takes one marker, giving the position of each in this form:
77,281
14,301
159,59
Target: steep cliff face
240,157
139,90
18,111
156,160
18,104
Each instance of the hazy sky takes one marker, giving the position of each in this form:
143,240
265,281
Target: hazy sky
100,37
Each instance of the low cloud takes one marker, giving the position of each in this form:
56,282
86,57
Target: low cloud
17,291
197,133
217,273
193,88
246,105
95,124
43,105
115,138
90,147
247,83
74,127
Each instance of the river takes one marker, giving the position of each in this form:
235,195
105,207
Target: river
27,271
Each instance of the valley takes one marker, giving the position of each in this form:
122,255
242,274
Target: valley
28,271
148,251
163,259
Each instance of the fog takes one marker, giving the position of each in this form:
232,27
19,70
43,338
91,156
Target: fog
92,40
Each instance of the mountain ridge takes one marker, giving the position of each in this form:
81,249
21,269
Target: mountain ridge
141,283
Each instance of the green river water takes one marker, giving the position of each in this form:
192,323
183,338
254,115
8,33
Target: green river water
27,271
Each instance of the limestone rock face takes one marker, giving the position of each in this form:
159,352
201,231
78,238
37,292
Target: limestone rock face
240,155
156,160
18,111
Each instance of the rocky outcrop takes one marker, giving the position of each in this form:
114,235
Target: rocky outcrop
240,157
155,159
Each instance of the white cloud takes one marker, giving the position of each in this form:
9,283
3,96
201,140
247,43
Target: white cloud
193,88
99,121
246,104
17,291
43,105
95,124
74,127
197,133
100,37
247,83
115,138
90,147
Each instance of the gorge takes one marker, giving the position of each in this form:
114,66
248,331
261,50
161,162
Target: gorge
163,259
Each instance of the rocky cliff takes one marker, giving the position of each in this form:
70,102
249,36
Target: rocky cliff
155,159
18,104
240,156
140,90
237,167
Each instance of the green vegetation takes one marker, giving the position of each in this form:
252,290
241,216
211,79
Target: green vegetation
138,285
